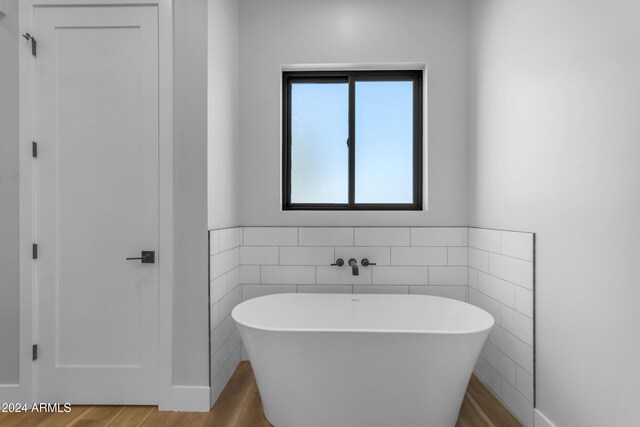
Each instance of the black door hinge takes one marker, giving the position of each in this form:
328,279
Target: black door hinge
34,251
33,42
34,149
34,352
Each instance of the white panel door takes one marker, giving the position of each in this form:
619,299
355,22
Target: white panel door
97,204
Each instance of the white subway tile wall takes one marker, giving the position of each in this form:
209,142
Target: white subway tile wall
380,236
229,238
367,289
524,382
439,236
260,255
327,275
484,239
519,351
490,376
458,256
501,277
225,293
517,245
500,361
430,260
325,236
455,292
418,256
450,276
381,255
270,236
313,255
394,275
519,405
488,268
254,291
324,289
479,259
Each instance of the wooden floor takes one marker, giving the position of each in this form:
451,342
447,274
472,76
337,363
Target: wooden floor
239,405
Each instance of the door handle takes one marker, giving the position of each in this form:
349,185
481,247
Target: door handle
146,257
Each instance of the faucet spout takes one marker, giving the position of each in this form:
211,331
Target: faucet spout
354,267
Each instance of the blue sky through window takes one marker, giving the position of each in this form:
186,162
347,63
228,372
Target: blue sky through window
384,142
319,153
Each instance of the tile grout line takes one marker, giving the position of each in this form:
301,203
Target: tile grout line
499,253
507,356
501,303
515,338
501,278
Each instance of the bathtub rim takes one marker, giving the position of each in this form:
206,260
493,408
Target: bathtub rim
368,330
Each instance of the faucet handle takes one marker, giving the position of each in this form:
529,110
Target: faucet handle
365,262
339,262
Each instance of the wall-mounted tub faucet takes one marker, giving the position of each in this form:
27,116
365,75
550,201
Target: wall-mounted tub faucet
354,267
355,270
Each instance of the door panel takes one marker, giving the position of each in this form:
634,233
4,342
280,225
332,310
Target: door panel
97,203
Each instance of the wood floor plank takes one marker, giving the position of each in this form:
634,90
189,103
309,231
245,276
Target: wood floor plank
131,416
44,419
227,409
239,405
31,419
177,419
97,416
469,416
64,419
163,419
477,415
252,414
494,410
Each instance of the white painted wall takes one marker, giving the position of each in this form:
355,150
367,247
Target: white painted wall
277,32
223,140
223,109
191,310
555,150
9,274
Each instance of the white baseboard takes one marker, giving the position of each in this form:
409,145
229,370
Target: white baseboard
10,393
191,399
540,420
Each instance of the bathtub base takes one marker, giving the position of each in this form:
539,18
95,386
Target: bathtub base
364,380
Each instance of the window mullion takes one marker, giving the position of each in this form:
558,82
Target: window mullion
352,141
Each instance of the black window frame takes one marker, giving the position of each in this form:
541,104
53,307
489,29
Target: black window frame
351,77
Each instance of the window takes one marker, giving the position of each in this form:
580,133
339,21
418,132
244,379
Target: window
352,140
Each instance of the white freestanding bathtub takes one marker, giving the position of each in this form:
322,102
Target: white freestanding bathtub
343,360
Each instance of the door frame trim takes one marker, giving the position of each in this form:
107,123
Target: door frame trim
26,390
